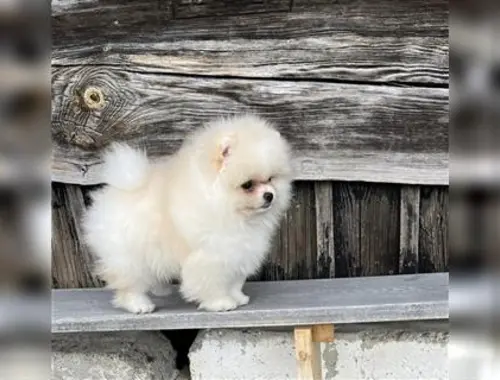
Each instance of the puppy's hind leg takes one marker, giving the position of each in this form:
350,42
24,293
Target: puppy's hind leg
204,282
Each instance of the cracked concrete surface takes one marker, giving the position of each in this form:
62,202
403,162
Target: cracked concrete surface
375,352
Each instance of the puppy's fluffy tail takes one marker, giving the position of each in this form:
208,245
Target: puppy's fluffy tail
124,167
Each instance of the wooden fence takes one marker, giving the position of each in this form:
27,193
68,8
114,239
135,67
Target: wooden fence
360,88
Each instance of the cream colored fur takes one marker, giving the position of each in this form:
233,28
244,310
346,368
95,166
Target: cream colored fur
188,218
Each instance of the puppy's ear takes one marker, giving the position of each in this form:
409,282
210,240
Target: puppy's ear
225,146
223,151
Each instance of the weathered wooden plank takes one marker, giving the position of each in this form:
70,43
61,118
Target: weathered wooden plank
210,8
72,262
340,43
309,246
344,56
409,220
323,192
274,267
141,8
279,303
424,17
427,16
339,131
294,252
379,226
366,229
433,233
347,231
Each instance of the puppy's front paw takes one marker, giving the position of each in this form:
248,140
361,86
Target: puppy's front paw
240,298
136,303
220,304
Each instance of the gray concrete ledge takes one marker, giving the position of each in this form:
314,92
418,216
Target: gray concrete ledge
378,299
113,356
381,352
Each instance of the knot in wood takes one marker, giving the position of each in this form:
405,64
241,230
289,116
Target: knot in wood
303,356
93,98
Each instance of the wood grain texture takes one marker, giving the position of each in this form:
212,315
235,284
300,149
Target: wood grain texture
366,229
307,354
397,16
338,131
417,16
294,252
348,42
323,333
433,233
72,263
280,303
325,225
379,225
347,230
210,8
409,219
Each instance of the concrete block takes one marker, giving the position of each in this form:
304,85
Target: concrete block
396,352
242,354
113,356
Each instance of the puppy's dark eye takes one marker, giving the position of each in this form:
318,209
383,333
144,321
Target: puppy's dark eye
270,179
248,185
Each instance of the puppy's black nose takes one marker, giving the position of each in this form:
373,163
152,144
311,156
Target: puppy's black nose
268,197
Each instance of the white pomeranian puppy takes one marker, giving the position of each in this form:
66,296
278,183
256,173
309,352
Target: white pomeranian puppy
205,215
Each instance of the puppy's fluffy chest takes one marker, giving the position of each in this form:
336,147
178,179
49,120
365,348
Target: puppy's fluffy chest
241,247
236,245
